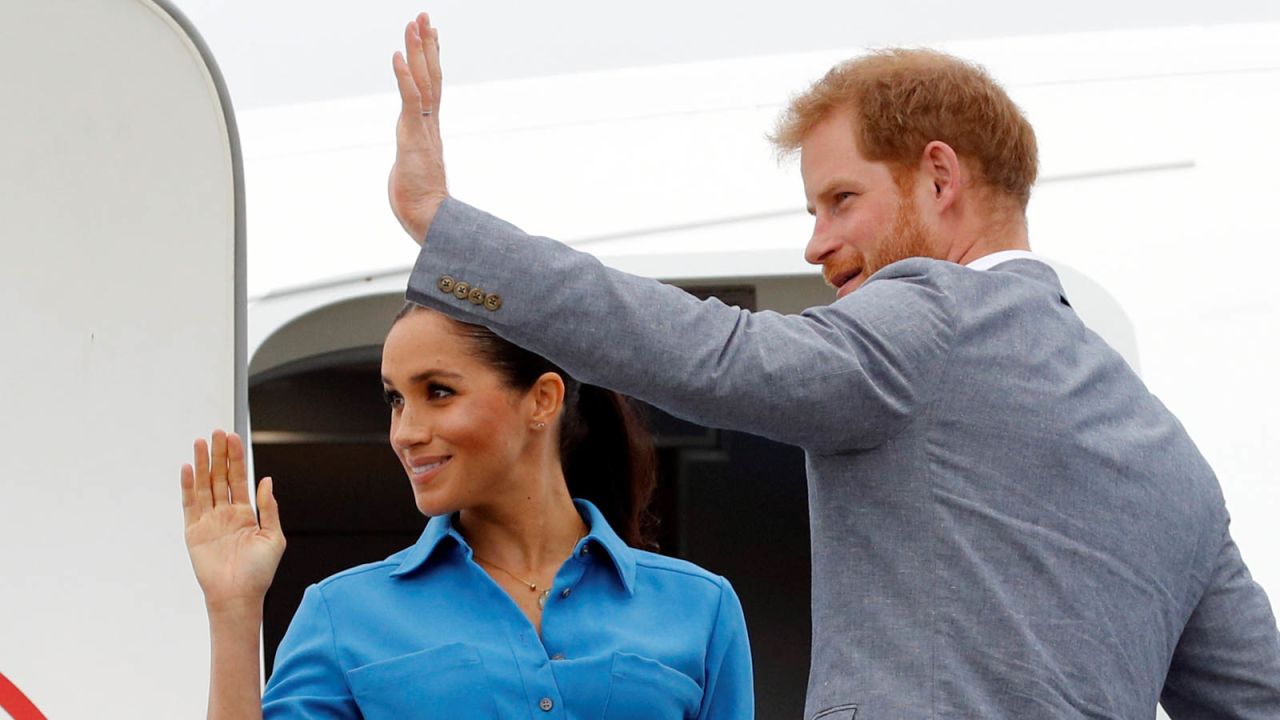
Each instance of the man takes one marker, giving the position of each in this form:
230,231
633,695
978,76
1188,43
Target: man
1005,523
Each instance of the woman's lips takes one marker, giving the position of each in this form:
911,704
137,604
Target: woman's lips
423,470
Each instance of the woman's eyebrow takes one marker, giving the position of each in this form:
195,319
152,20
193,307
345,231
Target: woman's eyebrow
424,376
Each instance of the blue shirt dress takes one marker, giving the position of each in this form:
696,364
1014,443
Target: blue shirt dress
426,633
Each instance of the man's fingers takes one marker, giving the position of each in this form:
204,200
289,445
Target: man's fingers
410,101
268,510
431,48
204,493
218,469
236,475
190,509
416,54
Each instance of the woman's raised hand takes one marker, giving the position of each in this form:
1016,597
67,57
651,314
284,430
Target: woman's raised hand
234,556
416,187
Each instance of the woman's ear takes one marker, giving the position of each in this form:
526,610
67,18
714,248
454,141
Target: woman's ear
547,397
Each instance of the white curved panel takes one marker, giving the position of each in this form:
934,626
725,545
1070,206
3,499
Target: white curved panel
118,216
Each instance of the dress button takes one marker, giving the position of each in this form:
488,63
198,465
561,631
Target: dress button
492,301
546,704
566,593
461,290
558,656
445,283
477,296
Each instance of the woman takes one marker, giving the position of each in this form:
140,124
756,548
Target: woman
517,601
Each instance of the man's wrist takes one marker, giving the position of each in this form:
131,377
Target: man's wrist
428,211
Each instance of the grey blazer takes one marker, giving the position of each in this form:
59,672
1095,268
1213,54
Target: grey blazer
1005,522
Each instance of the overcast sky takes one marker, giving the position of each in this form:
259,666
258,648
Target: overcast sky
274,52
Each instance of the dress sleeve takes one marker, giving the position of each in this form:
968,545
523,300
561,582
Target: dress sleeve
308,682
1227,661
840,377
728,692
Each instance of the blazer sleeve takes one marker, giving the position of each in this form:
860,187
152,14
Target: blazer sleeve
308,682
834,378
1227,661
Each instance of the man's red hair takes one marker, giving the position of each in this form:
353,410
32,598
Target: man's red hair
904,99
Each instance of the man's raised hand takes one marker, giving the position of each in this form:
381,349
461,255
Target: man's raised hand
416,187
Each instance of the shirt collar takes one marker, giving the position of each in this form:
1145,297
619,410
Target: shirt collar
440,529
986,262
1039,270
602,536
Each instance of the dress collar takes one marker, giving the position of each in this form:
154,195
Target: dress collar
441,533
602,536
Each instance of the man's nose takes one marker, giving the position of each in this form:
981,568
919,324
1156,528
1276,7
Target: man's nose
821,244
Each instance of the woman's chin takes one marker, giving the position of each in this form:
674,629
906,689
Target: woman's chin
432,503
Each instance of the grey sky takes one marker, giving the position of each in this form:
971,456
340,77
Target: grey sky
282,51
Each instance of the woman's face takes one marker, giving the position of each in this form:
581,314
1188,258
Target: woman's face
459,432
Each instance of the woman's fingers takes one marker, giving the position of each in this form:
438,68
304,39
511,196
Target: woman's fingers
268,510
217,476
204,493
237,477
218,471
190,511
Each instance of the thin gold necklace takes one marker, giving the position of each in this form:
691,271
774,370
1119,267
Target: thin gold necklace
533,586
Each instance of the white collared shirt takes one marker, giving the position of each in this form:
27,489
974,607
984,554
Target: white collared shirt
986,262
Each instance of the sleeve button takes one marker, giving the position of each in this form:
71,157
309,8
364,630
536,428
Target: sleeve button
446,283
477,296
461,290
492,302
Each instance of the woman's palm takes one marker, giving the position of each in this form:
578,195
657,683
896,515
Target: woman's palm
234,555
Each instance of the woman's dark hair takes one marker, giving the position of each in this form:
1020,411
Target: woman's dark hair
606,450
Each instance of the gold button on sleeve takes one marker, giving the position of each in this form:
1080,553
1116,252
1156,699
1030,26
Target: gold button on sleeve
477,296
461,290
492,301
445,283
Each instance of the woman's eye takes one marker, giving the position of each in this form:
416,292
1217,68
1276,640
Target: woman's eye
436,391
392,398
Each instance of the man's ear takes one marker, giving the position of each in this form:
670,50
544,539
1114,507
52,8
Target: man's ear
547,397
941,167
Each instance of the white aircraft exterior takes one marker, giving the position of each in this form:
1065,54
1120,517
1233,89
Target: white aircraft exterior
158,260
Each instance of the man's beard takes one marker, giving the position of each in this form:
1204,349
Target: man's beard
906,238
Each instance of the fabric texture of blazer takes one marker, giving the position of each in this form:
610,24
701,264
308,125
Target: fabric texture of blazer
1005,523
